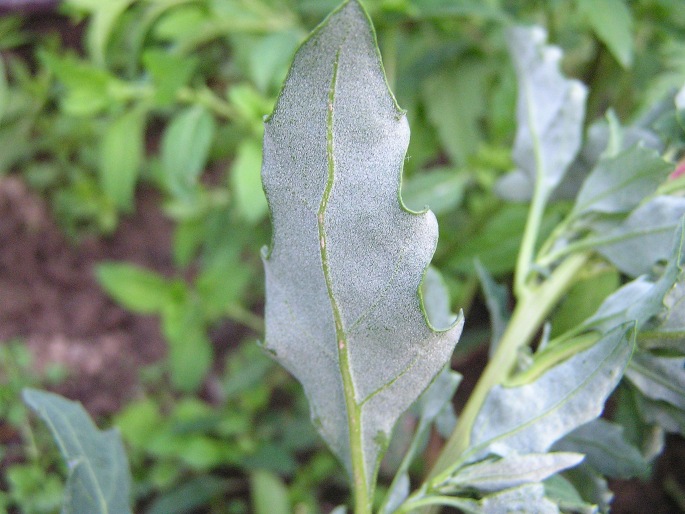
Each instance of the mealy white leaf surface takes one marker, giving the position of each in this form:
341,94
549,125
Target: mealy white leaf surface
645,237
514,470
618,184
641,299
659,378
526,498
550,111
606,449
531,417
346,259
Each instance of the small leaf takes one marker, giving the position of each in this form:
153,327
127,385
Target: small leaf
269,494
645,237
659,378
439,190
99,481
641,299
455,102
497,302
185,148
101,26
612,22
606,449
190,350
246,182
121,156
526,498
343,312
550,110
530,418
4,90
619,184
169,73
135,288
493,475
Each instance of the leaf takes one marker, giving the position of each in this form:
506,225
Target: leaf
644,238
550,111
121,155
269,494
619,184
246,184
641,299
102,22
659,378
190,350
612,22
99,481
497,302
169,73
441,190
531,417
455,102
194,494
4,90
185,148
527,498
343,312
606,449
493,475
135,288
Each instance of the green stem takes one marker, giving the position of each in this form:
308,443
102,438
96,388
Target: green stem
526,320
530,236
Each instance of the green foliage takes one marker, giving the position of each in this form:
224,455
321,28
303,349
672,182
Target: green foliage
168,97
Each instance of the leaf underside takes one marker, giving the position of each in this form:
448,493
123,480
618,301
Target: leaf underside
343,310
99,481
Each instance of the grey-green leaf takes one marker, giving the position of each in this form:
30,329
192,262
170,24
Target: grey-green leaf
606,449
526,498
531,417
641,299
497,301
550,112
659,378
618,184
343,310
493,475
99,481
644,238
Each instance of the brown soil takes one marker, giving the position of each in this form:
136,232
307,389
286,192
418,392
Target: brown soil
50,299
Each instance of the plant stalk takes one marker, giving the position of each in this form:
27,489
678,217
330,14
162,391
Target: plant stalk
526,320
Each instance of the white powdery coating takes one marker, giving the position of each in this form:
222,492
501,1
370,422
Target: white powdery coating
530,418
550,107
376,251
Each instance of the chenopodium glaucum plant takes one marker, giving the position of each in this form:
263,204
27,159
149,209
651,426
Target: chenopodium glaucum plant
347,282
344,311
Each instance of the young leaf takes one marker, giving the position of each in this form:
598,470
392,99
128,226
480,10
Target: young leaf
645,236
121,155
550,113
185,148
493,475
613,24
530,418
618,184
343,310
497,301
245,182
134,287
606,449
640,299
269,494
659,378
99,481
